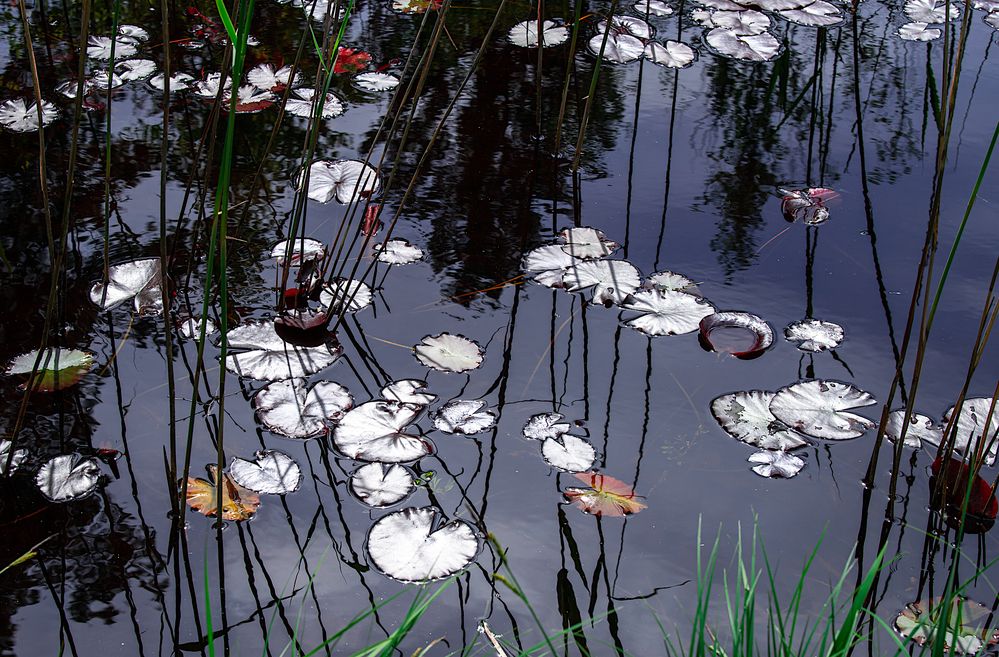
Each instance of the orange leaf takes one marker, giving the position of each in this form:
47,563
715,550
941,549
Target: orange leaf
606,496
238,503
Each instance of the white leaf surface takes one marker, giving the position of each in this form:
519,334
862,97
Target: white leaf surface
746,417
415,545
380,485
931,11
301,249
546,425
267,78
668,281
725,328
744,23
586,243
464,417
264,356
290,408
132,33
814,335
776,464
190,328
920,428
249,99
271,473
179,81
68,477
355,295
671,54
620,48
569,453
971,426
17,460
636,27
754,47
397,252
446,352
140,279
814,14
19,116
374,431
135,69
300,104
919,32
99,48
343,180
653,8
409,391
612,280
819,409
665,313
208,88
55,359
547,265
525,34
992,20
376,81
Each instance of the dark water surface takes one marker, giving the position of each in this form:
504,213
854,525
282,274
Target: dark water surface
680,167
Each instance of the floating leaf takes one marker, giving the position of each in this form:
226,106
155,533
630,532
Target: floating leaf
746,417
612,280
619,49
351,60
814,14
271,473
132,33
586,243
376,81
300,249
525,34
920,428
135,69
814,335
408,390
139,279
653,8
190,328
546,425
971,427
58,368
345,180
374,431
99,48
68,477
931,11
15,461
380,485
776,464
209,87
743,335
266,357
18,116
464,417
918,31
415,545
750,47
819,409
965,624
949,486
667,281
446,352
290,408
636,27
268,78
569,453
179,81
671,54
665,313
807,205
416,6
249,100
547,265
992,20
300,103
745,23
346,296
238,503
397,252
606,496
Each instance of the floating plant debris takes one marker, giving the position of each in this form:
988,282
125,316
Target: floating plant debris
586,243
267,78
264,356
807,205
343,180
743,335
15,461
139,279
290,408
376,81
374,431
746,417
612,280
416,545
966,630
665,312
525,34
671,54
238,503
776,464
300,103
547,265
971,427
605,496
380,485
920,428
58,368
446,352
546,425
409,391
814,335
397,252
918,31
464,417
18,116
271,473
347,296
819,409
68,477
569,453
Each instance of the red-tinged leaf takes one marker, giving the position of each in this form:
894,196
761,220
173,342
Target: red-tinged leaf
948,495
238,503
351,60
606,496
371,223
304,328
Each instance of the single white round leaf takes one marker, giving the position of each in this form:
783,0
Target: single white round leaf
300,103
920,428
414,545
668,281
397,252
636,27
569,453
375,431
746,417
380,485
268,78
261,354
776,464
754,47
347,296
99,48
814,14
814,335
298,249
547,265
919,31
665,313
612,280
653,8
586,243
289,408
68,477
343,180
141,279
931,11
135,69
819,409
376,81
619,49
179,81
972,427
446,352
464,417
409,391
271,472
546,425
525,34
671,54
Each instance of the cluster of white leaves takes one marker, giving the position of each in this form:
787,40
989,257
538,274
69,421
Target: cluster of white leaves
559,448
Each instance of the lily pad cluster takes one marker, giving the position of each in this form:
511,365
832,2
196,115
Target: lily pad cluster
559,448
622,39
975,427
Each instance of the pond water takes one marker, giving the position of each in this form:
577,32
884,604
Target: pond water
683,168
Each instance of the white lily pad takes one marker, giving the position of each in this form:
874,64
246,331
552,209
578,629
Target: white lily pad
750,47
208,87
776,464
409,391
18,116
249,100
415,545
918,31
547,265
268,78
446,352
636,27
814,14
971,426
300,104
343,180
397,252
376,81
300,249
464,417
546,425
16,460
135,69
347,296
931,11
652,8
619,49
671,54
814,335
139,279
743,335
375,431
99,48
132,33
179,81
586,243
612,280
665,313
58,368
525,34
920,428
819,409
668,281
380,485
746,417
271,472
264,356
68,477
290,408
569,453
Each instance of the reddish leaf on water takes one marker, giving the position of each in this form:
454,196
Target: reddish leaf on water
351,60
948,495
303,329
606,496
371,224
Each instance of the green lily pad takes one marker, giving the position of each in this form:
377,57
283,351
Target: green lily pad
57,368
